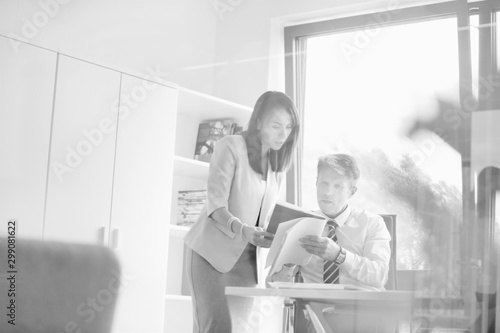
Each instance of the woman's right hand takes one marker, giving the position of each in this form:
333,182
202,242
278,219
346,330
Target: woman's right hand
257,236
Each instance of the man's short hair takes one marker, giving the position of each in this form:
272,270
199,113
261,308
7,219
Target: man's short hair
343,164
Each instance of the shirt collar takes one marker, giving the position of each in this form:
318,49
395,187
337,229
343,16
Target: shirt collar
342,218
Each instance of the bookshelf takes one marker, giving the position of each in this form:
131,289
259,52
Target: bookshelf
189,174
178,231
187,167
193,108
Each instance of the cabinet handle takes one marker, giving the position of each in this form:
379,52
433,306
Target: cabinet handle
114,238
103,235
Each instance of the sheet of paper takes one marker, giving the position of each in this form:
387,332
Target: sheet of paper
286,247
314,286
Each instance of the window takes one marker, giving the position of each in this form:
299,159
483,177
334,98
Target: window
414,95
388,94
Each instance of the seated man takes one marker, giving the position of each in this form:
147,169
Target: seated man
355,246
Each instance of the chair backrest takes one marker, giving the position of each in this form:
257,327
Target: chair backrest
58,287
390,223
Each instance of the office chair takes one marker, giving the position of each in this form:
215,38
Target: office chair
361,319
57,287
390,223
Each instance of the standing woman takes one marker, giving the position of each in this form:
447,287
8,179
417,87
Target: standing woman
245,175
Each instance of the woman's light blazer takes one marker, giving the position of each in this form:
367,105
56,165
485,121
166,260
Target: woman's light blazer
232,183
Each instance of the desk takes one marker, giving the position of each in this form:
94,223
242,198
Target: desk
395,303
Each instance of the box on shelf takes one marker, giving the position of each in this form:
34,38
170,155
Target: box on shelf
237,129
209,133
190,203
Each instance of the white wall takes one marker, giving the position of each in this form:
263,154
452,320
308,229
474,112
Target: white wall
176,36
249,54
230,48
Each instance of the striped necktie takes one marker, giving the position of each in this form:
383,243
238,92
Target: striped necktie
331,269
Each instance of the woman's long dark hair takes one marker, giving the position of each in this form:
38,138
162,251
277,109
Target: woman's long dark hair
280,159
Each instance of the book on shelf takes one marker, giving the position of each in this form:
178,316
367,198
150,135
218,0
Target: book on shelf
209,133
189,204
237,129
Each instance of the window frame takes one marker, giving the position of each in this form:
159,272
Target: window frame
296,53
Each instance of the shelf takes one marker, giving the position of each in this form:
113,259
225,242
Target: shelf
192,168
205,107
178,231
171,297
189,174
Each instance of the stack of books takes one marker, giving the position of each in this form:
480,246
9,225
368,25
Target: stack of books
209,133
190,203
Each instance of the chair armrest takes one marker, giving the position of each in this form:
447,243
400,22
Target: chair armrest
318,320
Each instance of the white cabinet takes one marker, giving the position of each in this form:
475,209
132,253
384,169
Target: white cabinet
87,157
111,178
140,206
82,153
189,174
25,120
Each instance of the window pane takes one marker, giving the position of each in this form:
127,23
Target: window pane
497,18
387,96
474,48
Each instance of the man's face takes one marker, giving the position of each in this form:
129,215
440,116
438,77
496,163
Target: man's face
332,191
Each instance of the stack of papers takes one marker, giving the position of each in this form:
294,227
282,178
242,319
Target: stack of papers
313,286
286,248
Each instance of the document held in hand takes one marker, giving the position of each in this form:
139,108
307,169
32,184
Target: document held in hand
285,211
286,248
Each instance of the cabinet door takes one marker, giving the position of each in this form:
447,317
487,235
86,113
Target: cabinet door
141,200
82,152
26,93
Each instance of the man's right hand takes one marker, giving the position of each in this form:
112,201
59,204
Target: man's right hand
323,247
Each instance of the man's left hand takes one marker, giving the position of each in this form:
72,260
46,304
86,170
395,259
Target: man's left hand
323,247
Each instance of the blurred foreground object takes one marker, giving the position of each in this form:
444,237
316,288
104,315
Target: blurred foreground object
57,287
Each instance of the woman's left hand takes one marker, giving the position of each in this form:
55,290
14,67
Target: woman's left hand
257,236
